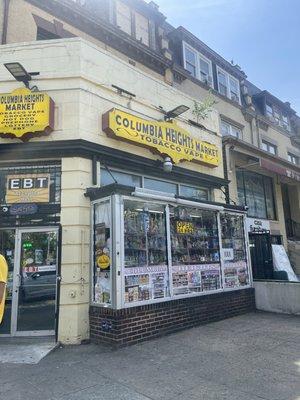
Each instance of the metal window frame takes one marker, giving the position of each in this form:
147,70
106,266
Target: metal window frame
118,253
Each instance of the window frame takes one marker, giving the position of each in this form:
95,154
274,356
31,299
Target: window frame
278,117
264,179
228,86
198,56
268,146
231,126
292,157
133,23
178,184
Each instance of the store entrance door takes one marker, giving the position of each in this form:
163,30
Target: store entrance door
32,283
261,255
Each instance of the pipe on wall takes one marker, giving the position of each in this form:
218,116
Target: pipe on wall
5,21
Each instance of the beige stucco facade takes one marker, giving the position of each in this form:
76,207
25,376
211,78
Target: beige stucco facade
81,95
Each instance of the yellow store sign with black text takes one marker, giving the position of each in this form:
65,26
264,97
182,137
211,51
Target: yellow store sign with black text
24,113
164,137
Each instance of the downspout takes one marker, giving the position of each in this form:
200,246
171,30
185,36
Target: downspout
5,21
225,167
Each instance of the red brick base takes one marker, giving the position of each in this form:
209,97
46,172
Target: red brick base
133,325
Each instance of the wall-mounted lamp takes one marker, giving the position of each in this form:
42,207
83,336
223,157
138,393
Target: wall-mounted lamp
20,74
167,165
176,112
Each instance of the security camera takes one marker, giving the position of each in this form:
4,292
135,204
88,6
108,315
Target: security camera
168,165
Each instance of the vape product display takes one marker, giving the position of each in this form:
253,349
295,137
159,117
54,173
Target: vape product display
144,237
194,236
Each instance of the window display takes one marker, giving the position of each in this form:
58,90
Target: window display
195,250
145,252
102,253
234,251
163,250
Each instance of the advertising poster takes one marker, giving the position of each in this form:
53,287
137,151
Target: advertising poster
236,274
143,284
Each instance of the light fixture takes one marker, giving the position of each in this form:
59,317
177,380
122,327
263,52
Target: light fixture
176,112
167,165
19,72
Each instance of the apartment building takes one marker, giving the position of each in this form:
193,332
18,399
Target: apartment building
118,162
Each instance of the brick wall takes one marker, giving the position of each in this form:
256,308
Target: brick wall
133,325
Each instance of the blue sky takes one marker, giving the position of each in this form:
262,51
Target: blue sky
262,36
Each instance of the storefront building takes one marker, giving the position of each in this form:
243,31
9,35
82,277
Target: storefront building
107,157
111,207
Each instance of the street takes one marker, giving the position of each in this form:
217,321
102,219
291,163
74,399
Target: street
254,356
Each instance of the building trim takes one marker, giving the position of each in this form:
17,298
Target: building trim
105,32
108,156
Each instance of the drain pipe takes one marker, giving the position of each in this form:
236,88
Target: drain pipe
5,21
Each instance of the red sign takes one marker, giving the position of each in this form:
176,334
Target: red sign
279,170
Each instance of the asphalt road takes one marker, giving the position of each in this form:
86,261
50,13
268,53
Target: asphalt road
251,357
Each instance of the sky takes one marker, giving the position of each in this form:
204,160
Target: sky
262,36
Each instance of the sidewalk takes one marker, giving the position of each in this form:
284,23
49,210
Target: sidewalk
251,357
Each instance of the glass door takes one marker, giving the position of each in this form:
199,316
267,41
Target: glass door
7,249
35,282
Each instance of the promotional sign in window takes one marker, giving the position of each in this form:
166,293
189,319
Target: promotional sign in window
33,188
24,113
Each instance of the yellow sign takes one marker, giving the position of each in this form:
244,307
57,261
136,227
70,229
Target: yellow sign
184,227
103,261
32,188
24,112
165,137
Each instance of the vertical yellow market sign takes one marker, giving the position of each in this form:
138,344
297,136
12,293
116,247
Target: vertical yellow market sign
24,114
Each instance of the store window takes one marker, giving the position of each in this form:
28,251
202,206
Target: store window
269,147
195,250
109,176
163,251
145,252
102,253
230,130
228,85
256,192
160,186
194,193
234,255
198,65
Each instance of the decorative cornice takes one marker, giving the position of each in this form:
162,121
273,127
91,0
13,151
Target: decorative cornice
105,32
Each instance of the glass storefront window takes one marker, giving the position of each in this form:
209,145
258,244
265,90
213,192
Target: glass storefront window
194,193
121,177
256,192
234,251
160,186
145,252
165,250
102,253
195,250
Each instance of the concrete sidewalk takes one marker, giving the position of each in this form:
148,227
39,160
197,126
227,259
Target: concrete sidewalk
254,356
